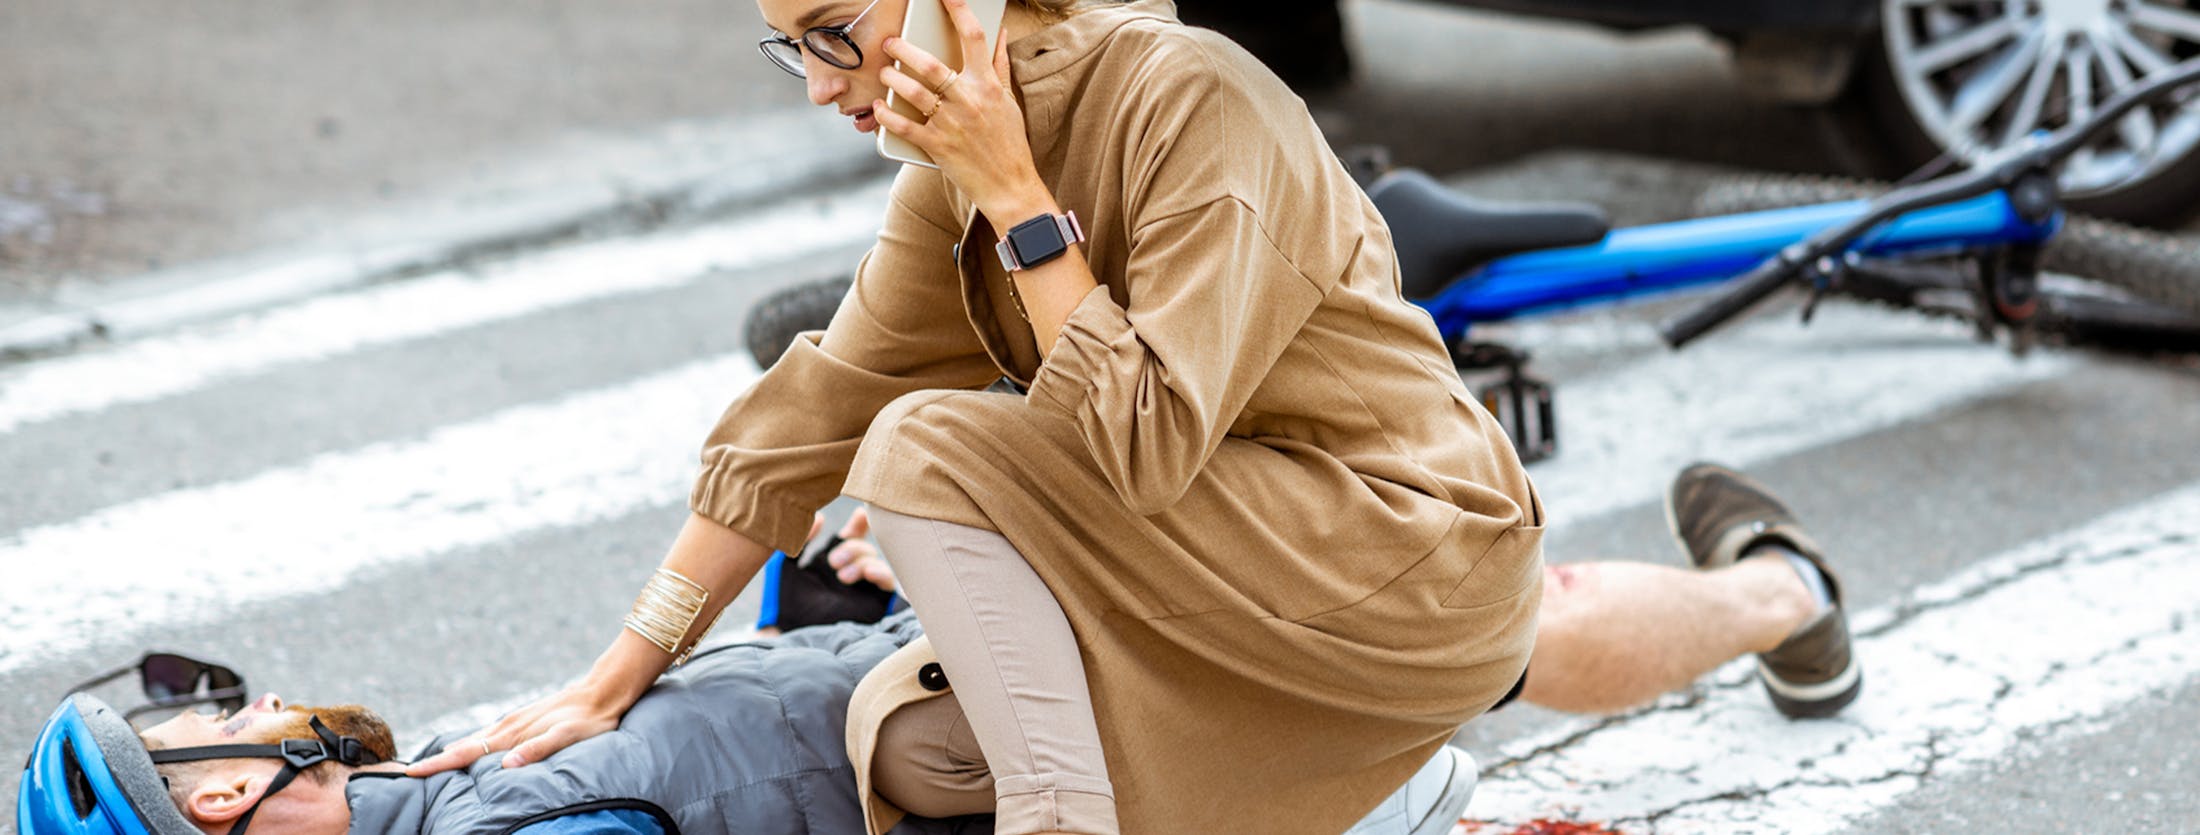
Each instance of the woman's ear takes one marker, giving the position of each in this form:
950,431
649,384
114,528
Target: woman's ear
223,796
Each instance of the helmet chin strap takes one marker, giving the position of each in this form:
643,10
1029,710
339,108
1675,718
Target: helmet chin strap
297,756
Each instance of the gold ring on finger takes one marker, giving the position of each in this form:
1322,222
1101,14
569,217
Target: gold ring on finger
484,746
941,91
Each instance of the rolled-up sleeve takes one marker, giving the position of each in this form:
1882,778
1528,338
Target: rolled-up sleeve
782,449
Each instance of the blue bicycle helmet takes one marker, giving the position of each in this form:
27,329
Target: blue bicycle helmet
90,775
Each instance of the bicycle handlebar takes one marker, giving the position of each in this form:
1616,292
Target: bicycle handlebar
1744,292
1740,294
2041,155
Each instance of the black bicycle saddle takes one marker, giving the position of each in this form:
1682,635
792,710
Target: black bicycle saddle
1440,233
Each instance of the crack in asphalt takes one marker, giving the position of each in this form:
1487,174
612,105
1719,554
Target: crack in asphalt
1907,608
1927,757
1560,744
1930,762
1695,698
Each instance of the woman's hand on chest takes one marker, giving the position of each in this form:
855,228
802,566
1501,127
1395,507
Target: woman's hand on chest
975,131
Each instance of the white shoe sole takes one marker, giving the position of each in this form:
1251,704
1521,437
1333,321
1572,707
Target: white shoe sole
1394,815
1452,804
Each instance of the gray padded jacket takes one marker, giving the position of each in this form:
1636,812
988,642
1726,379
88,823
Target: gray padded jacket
746,738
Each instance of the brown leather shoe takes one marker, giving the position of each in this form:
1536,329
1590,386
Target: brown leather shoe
1717,515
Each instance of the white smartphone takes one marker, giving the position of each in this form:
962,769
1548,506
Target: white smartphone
928,27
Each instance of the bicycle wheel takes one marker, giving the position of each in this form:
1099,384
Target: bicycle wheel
2070,313
2159,267
776,320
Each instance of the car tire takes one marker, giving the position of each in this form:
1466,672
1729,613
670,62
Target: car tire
1302,41
1898,114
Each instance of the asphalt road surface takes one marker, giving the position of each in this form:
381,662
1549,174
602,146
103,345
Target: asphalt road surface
436,496
145,136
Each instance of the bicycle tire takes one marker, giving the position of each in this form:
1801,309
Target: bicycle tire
775,321
2161,267
2065,317
2157,266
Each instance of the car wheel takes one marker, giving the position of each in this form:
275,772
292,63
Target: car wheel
1965,79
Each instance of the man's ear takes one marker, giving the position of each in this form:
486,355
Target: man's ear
222,797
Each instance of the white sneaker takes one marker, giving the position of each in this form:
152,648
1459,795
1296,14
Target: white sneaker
1429,803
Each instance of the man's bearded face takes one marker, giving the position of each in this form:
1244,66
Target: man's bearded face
267,721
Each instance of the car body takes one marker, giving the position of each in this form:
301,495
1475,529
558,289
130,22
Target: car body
1835,16
1917,80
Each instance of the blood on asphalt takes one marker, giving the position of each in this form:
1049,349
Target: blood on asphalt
1543,826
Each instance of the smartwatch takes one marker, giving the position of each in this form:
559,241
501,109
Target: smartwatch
1039,240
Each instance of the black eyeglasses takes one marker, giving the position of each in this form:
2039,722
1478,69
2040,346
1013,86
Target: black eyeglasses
830,44
170,681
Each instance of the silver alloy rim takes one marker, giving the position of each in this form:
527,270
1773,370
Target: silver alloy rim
1979,76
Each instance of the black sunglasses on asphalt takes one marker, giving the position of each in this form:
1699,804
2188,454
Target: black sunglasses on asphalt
830,44
170,681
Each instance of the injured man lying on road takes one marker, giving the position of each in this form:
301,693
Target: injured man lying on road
744,738
754,736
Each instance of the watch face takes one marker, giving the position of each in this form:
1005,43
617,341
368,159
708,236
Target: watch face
1036,239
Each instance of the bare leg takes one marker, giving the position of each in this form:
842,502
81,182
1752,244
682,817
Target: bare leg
1613,635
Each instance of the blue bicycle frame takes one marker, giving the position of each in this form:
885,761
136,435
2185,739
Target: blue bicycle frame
1659,258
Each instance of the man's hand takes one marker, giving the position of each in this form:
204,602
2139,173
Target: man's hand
838,579
856,558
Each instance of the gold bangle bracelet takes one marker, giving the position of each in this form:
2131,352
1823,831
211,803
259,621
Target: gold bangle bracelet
666,608
682,656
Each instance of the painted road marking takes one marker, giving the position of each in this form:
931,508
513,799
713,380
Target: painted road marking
2047,639
1765,390
193,554
197,554
150,369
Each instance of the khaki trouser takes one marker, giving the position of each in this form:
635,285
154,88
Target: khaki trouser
1030,750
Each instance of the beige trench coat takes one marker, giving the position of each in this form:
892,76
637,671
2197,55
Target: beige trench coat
1296,553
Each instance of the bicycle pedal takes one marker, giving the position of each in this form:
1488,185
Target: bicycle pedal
1525,407
2008,296
1522,404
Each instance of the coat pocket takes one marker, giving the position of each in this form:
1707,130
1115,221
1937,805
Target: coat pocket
1504,572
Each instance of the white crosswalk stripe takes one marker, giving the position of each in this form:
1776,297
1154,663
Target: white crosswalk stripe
189,554
170,365
1766,390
